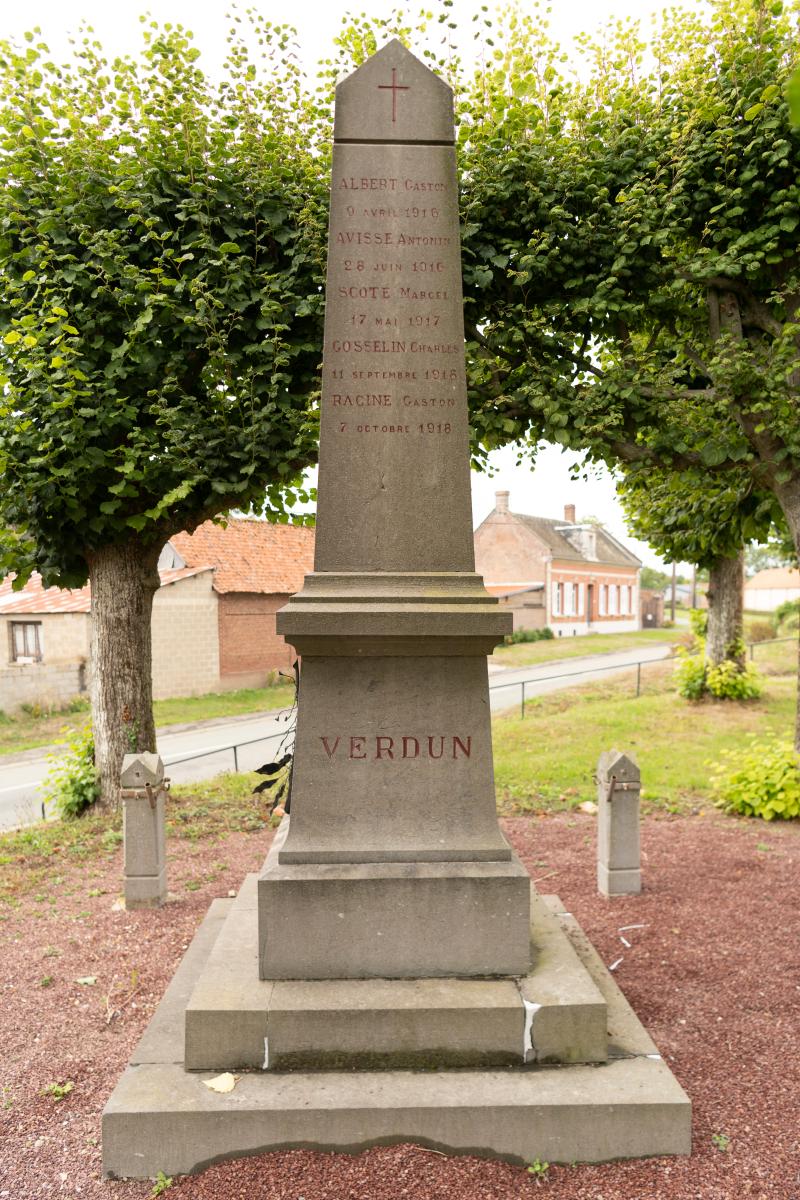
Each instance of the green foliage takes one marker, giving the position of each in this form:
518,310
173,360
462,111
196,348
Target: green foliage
528,635
730,681
161,254
71,785
653,580
776,551
631,267
761,781
696,678
161,1184
720,1141
538,1169
787,615
698,620
690,675
58,1091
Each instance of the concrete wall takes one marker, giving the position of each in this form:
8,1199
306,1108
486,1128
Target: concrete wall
527,608
250,648
768,599
62,673
185,638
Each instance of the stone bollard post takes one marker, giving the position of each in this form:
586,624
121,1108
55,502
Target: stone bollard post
144,790
618,857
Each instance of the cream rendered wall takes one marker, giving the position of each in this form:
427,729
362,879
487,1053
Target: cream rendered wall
186,638
62,673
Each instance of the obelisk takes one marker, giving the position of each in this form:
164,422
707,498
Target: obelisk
392,863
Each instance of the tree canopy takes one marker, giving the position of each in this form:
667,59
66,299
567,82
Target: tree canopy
160,313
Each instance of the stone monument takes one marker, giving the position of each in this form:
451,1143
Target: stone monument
390,975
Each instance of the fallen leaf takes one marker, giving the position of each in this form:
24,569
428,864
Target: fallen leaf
87,980
588,806
222,1083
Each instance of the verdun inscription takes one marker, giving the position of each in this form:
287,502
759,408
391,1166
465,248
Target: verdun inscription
393,760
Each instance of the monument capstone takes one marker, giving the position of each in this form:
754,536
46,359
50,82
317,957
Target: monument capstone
390,974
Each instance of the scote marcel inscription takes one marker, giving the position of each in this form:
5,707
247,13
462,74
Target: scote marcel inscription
392,777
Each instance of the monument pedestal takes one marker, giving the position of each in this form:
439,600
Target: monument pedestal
395,920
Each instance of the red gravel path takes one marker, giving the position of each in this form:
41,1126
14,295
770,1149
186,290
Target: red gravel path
714,974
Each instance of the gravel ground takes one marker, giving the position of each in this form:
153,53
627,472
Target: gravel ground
714,973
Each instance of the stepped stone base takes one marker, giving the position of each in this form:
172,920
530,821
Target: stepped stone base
236,1021
161,1117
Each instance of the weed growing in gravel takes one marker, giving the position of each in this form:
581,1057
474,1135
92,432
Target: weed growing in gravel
162,1182
538,1169
58,1091
721,1141
46,980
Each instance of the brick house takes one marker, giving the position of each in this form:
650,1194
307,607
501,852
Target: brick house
213,618
575,578
257,567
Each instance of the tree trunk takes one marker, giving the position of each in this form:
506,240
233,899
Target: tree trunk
725,602
789,496
124,579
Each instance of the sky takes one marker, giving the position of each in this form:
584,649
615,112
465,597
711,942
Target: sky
542,491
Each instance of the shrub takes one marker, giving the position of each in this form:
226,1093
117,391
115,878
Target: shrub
528,635
761,781
690,675
698,619
787,616
72,784
729,681
760,631
695,677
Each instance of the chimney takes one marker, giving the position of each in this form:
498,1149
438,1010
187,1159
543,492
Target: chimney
501,502
569,513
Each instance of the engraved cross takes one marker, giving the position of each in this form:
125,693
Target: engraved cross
394,87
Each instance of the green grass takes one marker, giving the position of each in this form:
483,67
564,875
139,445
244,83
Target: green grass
526,653
547,760
25,731
32,859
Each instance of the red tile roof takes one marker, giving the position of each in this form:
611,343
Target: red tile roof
37,599
249,555
775,577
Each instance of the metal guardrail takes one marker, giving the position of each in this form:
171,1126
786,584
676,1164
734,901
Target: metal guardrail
520,683
236,747
768,642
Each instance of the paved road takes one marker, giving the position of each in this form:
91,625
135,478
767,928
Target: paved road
506,684
21,776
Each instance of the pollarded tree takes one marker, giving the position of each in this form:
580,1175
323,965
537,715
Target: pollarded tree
706,520
160,324
631,252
